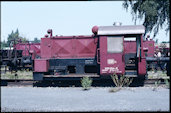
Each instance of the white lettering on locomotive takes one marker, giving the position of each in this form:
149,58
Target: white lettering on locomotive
111,61
111,70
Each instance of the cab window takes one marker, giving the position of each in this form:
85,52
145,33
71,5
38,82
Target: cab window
114,44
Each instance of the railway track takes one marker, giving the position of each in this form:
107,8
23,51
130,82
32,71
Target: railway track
17,82
69,83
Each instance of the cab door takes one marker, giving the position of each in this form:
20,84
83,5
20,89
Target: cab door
111,55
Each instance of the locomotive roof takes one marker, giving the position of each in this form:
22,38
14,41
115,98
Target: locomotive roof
121,30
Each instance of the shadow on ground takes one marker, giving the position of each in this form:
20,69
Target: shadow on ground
77,83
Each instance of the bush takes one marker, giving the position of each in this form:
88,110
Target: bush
121,81
86,82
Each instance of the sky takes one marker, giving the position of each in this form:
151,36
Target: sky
33,19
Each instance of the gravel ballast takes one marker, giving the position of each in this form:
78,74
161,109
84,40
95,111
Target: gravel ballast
18,99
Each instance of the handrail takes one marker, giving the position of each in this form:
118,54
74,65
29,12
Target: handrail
98,49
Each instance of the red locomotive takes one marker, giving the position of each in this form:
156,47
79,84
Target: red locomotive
109,50
28,49
98,55
20,56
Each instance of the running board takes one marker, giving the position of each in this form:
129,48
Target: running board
73,75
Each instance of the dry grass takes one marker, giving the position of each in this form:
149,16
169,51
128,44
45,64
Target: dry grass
115,89
120,82
157,75
25,74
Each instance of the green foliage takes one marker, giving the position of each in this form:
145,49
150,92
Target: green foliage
36,40
167,83
86,82
157,83
15,36
156,41
4,44
165,42
21,74
155,13
121,81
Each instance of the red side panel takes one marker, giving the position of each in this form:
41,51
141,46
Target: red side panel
41,65
36,48
130,47
150,45
85,47
24,47
62,48
45,48
68,47
33,48
110,62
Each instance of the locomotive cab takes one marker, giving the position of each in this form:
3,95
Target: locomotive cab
113,56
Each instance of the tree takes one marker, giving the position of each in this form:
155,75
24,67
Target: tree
155,13
10,37
15,36
3,44
156,41
36,40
